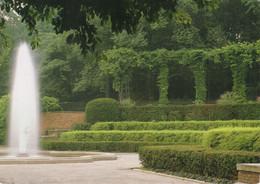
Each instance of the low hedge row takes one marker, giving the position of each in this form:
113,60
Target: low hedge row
205,112
193,137
105,146
173,125
196,160
239,138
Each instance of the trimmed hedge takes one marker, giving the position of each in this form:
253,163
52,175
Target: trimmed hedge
105,146
204,112
247,111
196,160
173,125
193,137
102,109
154,113
247,139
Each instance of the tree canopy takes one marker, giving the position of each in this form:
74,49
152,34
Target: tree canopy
74,16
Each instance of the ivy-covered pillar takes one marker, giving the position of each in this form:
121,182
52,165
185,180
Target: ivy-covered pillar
239,70
196,60
239,58
163,84
199,72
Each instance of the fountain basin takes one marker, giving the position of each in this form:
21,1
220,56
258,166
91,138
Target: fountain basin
58,157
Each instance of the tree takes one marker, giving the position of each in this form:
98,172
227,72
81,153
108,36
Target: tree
61,65
120,64
239,19
74,16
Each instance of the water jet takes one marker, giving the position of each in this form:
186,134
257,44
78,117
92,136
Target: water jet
24,119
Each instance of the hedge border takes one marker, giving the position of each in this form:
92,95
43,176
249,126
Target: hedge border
104,146
172,125
196,160
238,138
193,137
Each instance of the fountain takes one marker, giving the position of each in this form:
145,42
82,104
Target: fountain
23,139
24,107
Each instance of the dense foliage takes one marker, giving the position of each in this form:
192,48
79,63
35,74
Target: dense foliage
122,15
195,159
102,109
200,65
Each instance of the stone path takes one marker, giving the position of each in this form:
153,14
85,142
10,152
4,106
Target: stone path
99,172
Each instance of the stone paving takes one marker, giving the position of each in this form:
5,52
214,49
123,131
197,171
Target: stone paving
118,171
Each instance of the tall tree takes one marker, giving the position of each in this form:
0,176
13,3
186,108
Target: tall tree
75,16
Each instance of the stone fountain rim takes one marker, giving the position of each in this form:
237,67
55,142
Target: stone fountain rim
81,157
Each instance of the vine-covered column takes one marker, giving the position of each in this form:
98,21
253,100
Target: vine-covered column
199,73
160,60
198,67
163,84
239,70
238,57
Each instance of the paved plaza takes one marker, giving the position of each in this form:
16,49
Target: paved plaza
118,171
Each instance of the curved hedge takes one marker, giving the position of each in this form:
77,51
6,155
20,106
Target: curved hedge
196,160
173,125
193,137
240,138
105,146
102,109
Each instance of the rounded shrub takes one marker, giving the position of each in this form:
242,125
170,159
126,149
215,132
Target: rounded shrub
102,109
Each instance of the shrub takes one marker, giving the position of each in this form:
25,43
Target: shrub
4,105
173,125
106,146
230,98
102,109
128,102
81,126
247,139
196,160
49,104
193,137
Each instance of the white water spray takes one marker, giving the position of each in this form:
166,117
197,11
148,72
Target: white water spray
24,106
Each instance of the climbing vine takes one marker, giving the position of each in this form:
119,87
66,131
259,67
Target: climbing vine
239,59
160,58
121,63
198,67
163,84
